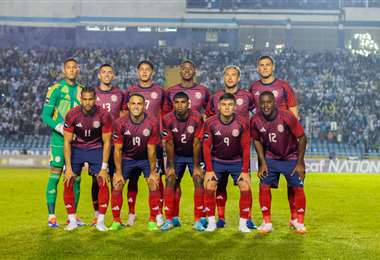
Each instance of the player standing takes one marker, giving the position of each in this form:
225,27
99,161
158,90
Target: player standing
60,98
135,141
226,150
244,105
280,144
154,96
284,97
110,98
182,132
87,138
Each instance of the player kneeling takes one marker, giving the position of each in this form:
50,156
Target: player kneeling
135,140
226,151
87,135
280,144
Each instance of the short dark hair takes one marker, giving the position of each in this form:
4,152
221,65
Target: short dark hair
181,94
265,57
227,96
267,93
145,62
135,95
88,90
188,61
70,59
105,65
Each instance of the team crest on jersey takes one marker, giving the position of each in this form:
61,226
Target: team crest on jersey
190,129
146,132
198,95
275,93
154,95
239,101
280,128
235,133
96,124
114,98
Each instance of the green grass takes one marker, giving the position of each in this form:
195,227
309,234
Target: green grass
342,217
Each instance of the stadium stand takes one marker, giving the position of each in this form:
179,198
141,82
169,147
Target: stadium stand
338,92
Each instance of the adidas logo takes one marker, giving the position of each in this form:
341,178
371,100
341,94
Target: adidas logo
130,200
220,197
116,208
166,208
175,130
103,205
257,93
263,130
245,210
206,209
52,191
156,208
68,206
127,133
79,125
264,208
301,210
218,133
200,207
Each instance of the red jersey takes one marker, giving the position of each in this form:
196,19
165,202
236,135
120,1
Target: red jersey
113,100
88,128
279,136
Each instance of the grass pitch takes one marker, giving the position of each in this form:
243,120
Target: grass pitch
342,217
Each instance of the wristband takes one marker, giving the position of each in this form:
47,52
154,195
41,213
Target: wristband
104,166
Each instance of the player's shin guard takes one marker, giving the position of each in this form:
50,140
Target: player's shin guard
51,191
292,206
300,203
116,204
198,203
77,191
154,204
245,204
94,194
221,199
210,202
69,197
169,203
103,196
162,188
132,194
177,200
265,202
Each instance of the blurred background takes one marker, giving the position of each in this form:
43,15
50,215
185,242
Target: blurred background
328,50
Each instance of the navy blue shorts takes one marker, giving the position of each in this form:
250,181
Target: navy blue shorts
180,163
94,158
223,169
135,167
285,167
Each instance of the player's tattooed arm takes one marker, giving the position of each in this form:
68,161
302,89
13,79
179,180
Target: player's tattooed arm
300,166
68,138
263,169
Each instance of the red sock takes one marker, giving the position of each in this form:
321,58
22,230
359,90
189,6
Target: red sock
69,197
154,204
292,206
210,202
265,202
162,187
245,204
169,202
300,203
177,200
116,203
132,195
94,195
221,199
198,203
103,196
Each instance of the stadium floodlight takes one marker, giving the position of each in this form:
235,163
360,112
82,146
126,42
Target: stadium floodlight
363,44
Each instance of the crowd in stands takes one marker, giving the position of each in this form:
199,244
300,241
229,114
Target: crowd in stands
338,92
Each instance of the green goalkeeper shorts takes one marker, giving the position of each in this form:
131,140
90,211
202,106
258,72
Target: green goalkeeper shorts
57,158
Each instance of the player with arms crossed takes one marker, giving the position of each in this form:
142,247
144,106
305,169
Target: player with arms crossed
60,98
226,150
244,105
135,140
154,96
280,144
87,138
110,98
284,97
182,132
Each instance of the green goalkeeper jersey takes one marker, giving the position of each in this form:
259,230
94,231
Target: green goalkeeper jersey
60,98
